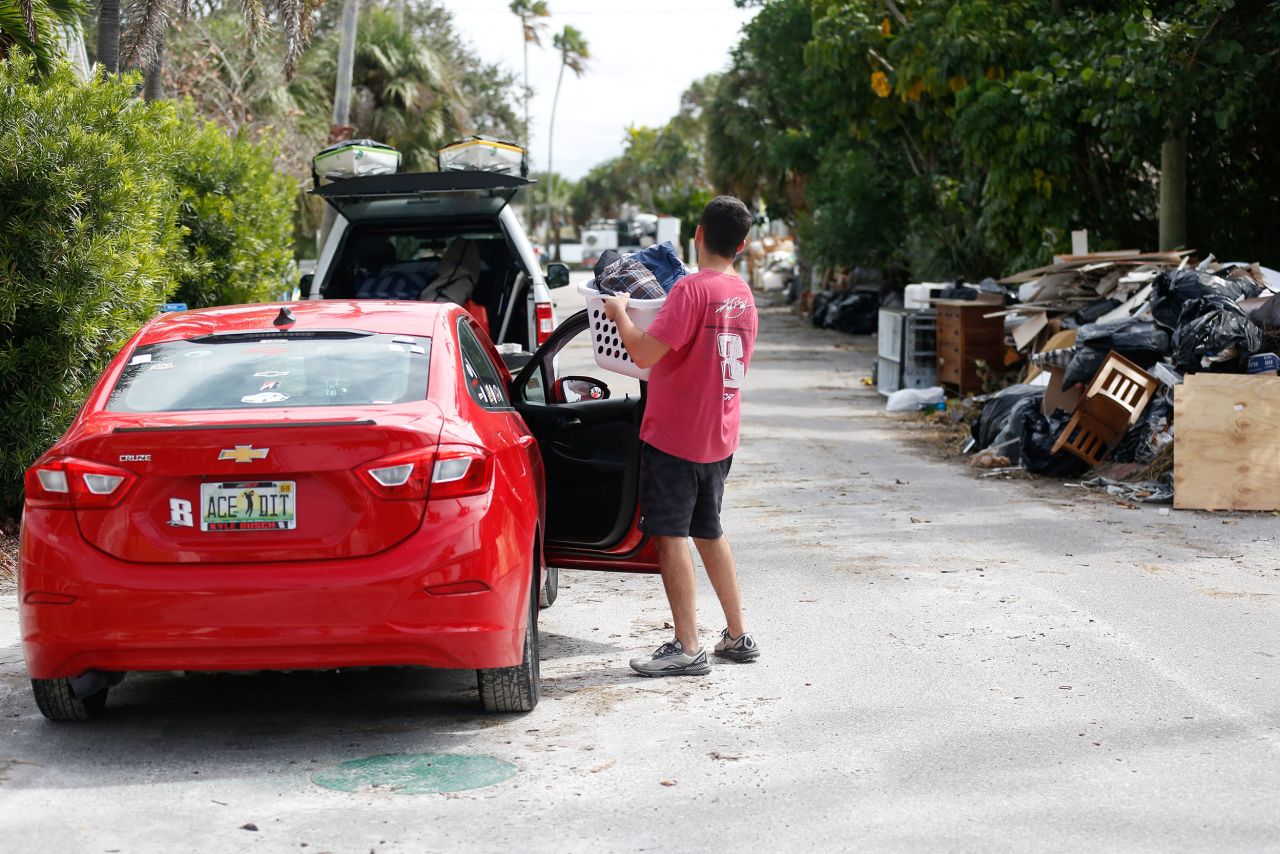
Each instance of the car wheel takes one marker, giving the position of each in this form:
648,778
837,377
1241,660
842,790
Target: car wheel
515,689
551,589
57,702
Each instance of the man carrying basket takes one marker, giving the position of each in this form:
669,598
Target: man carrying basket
699,346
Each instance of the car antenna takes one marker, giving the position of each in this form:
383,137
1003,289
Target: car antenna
284,318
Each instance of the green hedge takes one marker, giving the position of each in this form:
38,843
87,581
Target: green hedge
237,212
108,205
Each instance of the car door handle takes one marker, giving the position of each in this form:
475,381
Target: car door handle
570,421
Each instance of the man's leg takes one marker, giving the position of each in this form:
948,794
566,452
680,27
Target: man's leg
718,558
678,579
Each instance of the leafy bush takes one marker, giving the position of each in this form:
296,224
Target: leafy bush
88,236
237,213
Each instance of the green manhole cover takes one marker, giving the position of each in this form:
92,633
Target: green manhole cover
415,773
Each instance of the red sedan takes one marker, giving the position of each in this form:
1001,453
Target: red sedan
320,485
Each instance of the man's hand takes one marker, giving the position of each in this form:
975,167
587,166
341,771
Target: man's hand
615,306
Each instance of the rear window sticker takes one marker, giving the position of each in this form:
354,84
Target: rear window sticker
140,359
415,348
199,354
162,366
268,385
271,374
265,397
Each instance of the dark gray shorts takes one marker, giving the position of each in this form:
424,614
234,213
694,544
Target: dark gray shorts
679,498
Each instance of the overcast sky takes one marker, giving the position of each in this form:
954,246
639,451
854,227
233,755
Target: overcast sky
644,54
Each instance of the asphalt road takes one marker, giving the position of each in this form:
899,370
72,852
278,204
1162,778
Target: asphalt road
1025,668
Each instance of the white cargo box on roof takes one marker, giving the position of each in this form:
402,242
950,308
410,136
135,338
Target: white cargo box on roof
355,158
484,154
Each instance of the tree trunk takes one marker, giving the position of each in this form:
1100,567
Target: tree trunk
341,119
109,35
1173,193
153,84
551,131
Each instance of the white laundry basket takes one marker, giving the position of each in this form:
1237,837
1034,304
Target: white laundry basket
609,351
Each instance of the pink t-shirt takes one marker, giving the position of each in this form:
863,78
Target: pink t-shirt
693,409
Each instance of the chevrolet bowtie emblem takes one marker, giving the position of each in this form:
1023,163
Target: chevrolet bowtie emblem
243,453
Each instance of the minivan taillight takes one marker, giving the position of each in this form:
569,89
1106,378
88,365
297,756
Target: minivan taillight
70,482
545,321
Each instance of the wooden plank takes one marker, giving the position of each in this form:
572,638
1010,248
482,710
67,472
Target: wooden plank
1225,450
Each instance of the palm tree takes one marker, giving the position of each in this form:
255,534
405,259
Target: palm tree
148,20
574,54
33,27
530,14
403,91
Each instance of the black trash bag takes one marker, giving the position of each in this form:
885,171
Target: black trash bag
1214,333
958,290
1008,442
1139,341
1038,435
1175,288
856,312
997,410
991,286
1089,313
1267,315
1139,444
818,316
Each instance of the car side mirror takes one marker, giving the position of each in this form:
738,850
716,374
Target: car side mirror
304,284
574,389
557,275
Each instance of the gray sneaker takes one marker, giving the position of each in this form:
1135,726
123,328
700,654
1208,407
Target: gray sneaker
670,660
742,648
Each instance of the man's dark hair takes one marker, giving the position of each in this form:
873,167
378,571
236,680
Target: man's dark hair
725,223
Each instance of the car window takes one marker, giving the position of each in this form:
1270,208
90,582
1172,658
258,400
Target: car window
288,369
575,357
483,379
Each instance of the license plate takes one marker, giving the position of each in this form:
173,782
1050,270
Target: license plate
260,505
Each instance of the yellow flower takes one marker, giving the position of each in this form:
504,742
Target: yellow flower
885,29
880,84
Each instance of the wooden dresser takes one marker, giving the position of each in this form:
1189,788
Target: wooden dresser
965,337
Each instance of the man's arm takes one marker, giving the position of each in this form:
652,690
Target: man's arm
645,350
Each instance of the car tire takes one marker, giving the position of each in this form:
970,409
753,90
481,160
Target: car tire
515,689
57,702
550,589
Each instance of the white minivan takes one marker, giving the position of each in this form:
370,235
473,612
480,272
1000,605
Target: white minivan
399,236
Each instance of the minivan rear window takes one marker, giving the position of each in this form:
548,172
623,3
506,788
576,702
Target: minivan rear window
292,369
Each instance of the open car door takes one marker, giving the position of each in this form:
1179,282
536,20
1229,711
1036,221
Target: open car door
590,444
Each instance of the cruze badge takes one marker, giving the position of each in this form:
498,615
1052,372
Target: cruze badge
243,453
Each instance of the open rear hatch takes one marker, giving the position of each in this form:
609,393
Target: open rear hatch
226,492
422,194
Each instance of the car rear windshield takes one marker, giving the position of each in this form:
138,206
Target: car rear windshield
289,369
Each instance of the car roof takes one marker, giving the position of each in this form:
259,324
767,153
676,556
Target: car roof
389,316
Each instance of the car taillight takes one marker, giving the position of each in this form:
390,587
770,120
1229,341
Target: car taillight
546,321
460,470
404,476
69,482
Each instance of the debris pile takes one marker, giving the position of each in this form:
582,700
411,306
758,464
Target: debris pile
1107,347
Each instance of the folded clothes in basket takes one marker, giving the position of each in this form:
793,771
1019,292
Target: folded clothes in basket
662,261
628,276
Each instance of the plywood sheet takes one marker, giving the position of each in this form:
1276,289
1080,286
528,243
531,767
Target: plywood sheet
1226,448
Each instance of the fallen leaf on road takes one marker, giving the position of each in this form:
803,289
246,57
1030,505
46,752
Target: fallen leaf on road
667,626
1127,505
715,754
603,765
249,826
918,521
668,782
